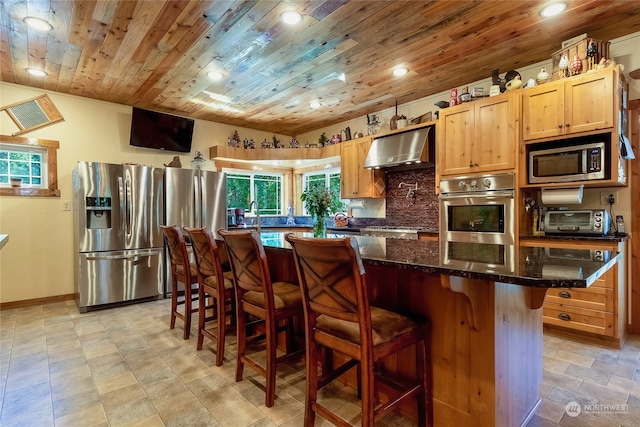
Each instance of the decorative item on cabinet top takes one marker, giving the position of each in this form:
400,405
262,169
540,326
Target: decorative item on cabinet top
588,52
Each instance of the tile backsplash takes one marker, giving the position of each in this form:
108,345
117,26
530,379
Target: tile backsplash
415,209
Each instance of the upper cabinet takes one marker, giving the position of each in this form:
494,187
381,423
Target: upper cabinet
479,136
565,107
356,181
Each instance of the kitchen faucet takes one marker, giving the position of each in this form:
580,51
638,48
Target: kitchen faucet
255,202
412,188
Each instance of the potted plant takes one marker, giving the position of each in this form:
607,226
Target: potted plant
320,203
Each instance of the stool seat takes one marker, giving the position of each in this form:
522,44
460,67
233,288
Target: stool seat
212,281
193,270
285,295
385,326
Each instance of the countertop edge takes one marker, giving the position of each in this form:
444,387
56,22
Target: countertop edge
607,238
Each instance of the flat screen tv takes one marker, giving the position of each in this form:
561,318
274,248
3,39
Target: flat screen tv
161,131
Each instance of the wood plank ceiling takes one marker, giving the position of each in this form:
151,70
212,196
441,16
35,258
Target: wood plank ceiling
156,54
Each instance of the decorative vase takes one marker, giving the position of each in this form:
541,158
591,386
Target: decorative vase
319,226
542,76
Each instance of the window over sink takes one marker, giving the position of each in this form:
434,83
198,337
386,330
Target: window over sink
243,187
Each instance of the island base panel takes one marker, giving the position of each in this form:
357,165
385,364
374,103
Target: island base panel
486,343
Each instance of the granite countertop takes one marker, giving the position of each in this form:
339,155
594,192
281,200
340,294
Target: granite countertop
269,226
606,238
525,266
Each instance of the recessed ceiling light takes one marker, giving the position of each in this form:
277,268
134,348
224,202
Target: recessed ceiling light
36,72
38,23
215,75
315,104
400,71
552,9
291,17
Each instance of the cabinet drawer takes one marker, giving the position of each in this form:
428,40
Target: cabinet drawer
593,298
598,322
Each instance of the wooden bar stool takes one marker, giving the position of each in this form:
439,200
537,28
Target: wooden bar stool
272,303
182,271
339,317
212,285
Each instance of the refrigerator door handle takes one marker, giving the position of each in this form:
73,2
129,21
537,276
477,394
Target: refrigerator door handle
127,205
197,188
123,200
144,254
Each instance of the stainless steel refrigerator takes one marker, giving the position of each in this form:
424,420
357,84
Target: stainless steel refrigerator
194,198
118,244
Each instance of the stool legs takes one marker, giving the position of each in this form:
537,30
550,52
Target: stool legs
271,362
174,304
202,316
242,341
188,305
222,326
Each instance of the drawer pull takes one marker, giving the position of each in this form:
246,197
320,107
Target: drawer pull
564,316
564,294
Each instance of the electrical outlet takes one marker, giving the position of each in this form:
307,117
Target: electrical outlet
66,205
605,195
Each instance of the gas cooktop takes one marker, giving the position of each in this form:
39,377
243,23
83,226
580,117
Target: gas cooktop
404,232
400,227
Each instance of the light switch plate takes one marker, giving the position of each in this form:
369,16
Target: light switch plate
66,205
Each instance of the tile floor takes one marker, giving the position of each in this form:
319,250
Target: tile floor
124,367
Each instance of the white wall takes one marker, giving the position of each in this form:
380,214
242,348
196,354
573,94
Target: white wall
38,260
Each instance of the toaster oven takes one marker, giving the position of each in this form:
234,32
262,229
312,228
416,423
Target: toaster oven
590,222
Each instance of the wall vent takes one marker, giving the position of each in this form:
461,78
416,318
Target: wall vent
33,113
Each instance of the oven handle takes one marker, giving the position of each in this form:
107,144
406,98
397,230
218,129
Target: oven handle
489,195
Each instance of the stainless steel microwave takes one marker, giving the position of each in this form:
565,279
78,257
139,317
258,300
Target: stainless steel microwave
568,163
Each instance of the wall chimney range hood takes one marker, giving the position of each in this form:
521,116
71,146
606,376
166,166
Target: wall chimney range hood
412,147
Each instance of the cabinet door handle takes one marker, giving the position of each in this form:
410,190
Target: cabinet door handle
567,125
559,126
564,316
564,294
475,164
470,164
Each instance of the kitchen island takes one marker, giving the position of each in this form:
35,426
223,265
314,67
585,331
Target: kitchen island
484,304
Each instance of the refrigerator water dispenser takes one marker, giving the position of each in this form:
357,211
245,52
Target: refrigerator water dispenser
98,212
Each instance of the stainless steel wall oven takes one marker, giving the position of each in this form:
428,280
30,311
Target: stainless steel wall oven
478,209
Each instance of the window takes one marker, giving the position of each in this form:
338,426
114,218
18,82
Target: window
329,178
27,164
33,162
265,188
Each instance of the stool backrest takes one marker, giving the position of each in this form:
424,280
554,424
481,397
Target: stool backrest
248,262
332,279
177,249
206,253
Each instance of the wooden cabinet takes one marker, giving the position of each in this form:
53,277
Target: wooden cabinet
356,181
597,310
479,136
565,107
